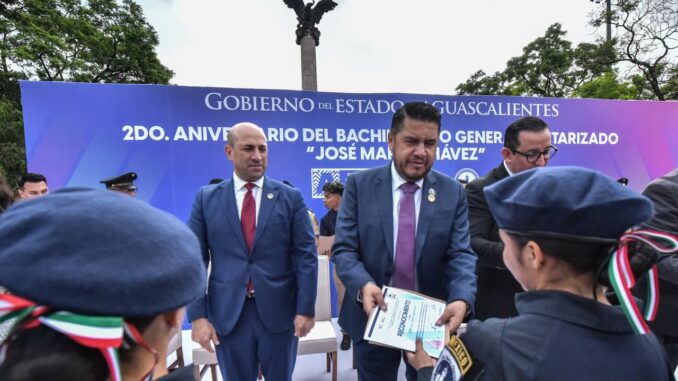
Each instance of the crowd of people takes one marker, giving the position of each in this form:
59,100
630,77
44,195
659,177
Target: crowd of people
539,261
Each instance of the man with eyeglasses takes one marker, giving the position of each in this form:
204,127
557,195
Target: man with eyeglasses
527,144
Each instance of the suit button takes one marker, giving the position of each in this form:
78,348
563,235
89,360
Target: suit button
250,260
388,275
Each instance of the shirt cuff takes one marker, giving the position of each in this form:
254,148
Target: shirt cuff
359,298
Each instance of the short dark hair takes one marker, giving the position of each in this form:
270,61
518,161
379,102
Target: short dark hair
582,256
528,123
31,178
591,257
334,187
414,110
43,353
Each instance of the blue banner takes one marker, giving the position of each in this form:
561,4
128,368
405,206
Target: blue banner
174,137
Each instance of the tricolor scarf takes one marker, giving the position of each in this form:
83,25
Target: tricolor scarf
105,333
622,279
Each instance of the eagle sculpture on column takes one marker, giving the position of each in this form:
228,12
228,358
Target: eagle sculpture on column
309,16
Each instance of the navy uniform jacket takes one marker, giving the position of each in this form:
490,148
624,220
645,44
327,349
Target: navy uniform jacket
328,223
363,247
496,285
561,336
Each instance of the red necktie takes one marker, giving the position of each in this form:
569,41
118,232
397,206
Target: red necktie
248,219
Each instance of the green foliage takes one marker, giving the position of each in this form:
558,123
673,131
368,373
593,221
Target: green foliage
647,40
64,40
548,67
607,87
101,41
483,84
644,48
13,154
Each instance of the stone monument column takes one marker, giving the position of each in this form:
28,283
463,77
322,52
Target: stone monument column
308,36
309,74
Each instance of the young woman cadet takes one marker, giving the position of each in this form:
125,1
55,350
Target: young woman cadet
98,282
565,241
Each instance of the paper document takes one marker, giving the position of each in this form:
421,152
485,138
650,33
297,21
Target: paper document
408,315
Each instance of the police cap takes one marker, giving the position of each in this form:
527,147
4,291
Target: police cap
124,182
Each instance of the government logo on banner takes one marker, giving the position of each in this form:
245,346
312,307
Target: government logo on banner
321,176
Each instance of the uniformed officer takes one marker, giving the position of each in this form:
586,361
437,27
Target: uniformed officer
564,234
123,183
98,286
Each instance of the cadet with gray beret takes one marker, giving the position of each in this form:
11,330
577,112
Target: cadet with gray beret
565,240
98,285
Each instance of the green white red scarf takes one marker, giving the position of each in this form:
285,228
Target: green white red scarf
622,279
105,333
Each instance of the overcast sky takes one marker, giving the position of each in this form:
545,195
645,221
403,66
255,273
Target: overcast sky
408,46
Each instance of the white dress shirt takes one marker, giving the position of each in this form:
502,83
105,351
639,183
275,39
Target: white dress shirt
507,168
240,191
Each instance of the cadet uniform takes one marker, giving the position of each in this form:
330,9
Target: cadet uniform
561,336
86,263
558,335
123,183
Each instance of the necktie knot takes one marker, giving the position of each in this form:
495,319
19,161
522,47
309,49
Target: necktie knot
249,186
409,187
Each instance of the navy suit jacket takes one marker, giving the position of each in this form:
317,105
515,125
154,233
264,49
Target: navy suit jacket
363,246
485,239
283,265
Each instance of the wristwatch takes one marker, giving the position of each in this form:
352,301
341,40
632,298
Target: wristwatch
468,306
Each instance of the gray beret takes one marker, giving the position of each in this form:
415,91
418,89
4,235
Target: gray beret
566,202
99,253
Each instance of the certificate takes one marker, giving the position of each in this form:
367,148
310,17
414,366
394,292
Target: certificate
408,315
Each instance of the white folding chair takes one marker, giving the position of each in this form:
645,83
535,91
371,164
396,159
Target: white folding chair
323,337
204,361
174,346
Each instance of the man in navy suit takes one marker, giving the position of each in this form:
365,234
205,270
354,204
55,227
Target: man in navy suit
262,286
376,243
527,145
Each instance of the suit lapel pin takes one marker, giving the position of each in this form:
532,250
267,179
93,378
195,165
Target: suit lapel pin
269,196
431,195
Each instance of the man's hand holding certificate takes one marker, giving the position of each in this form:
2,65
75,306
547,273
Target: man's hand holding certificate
408,316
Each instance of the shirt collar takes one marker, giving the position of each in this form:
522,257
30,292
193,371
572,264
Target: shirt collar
397,180
239,183
507,168
574,309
